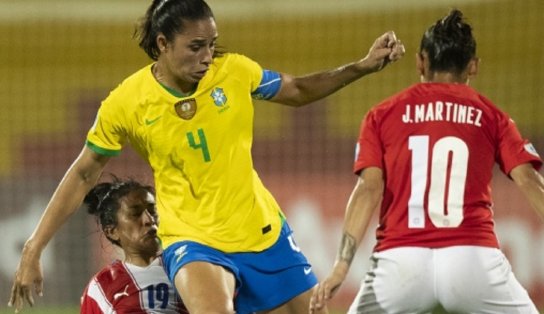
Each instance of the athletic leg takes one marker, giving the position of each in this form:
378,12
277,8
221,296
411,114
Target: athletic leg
399,281
204,277
476,279
206,288
276,280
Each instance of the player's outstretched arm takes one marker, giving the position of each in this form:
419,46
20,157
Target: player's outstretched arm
78,180
531,183
298,91
365,198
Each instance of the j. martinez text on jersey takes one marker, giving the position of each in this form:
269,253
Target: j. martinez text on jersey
442,111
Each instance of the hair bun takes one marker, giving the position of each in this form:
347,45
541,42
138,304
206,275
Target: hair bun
95,196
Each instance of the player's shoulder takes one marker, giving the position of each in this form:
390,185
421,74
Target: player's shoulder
236,68
234,62
139,77
130,94
135,85
111,273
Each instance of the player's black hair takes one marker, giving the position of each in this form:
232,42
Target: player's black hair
166,17
103,201
449,43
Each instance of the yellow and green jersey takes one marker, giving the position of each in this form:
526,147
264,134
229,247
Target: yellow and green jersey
199,148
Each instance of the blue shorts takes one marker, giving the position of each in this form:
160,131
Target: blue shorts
264,280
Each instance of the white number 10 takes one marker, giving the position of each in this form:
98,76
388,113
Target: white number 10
447,184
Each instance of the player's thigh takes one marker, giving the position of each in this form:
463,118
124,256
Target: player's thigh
298,304
206,288
204,277
278,278
399,281
475,279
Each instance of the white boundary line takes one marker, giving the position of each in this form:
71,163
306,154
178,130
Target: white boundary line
130,10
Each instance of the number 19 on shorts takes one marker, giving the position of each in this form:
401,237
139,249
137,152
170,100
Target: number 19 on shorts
447,174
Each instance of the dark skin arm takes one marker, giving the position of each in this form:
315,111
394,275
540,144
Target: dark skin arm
78,180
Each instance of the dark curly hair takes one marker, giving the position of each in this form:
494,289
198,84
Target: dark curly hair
102,201
449,43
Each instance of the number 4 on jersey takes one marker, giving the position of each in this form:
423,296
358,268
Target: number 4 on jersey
202,143
448,173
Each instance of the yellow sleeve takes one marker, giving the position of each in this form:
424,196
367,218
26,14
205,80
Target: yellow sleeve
247,68
106,136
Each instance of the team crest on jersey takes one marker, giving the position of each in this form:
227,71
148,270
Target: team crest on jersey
219,99
218,96
186,109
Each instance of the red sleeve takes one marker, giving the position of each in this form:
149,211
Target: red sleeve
89,305
369,152
513,150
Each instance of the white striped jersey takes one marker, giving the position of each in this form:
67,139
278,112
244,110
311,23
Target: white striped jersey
123,288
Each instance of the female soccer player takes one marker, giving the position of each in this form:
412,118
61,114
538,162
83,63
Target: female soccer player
125,210
427,155
189,114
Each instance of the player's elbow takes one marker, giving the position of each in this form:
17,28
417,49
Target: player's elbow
525,176
370,192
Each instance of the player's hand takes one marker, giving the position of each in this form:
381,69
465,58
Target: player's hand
28,277
386,49
328,288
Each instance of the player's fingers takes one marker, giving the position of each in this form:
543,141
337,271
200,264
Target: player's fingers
387,40
38,287
18,304
13,295
325,294
312,305
391,39
381,54
27,295
316,300
17,299
312,302
397,52
331,289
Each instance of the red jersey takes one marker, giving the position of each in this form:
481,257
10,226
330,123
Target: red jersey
123,288
437,145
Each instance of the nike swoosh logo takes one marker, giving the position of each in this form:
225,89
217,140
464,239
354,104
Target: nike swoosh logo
307,270
151,121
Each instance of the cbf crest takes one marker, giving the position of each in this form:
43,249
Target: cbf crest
219,97
186,109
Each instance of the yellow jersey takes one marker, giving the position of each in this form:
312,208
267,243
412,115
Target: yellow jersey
199,148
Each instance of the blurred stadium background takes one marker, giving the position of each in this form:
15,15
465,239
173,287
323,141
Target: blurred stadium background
60,58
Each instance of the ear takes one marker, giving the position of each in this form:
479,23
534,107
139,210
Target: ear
420,64
473,67
162,42
112,234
